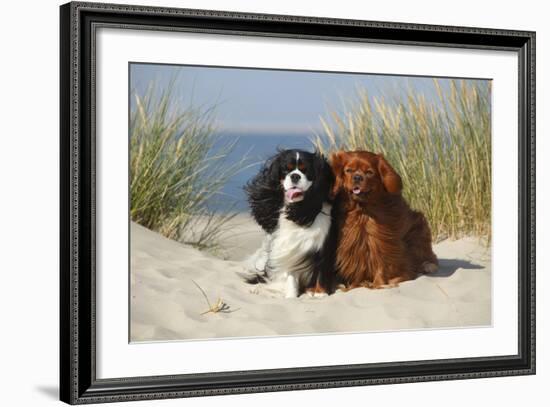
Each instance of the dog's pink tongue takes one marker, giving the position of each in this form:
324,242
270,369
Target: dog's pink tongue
293,193
356,190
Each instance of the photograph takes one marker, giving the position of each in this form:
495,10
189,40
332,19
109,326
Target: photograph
312,202
269,202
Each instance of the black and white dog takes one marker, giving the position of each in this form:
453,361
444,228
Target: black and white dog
289,199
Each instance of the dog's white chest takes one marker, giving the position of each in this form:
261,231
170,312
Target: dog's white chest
291,243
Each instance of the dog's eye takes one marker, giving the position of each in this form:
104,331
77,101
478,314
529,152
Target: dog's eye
369,173
349,170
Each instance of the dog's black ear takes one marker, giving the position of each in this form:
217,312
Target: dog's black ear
273,172
265,196
324,175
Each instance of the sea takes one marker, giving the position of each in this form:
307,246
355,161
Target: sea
255,149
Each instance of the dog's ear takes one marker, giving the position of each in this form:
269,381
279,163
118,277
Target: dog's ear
390,178
273,171
325,178
337,162
264,194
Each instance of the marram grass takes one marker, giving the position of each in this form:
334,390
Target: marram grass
173,171
441,149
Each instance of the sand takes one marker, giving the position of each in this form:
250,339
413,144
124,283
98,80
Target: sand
167,305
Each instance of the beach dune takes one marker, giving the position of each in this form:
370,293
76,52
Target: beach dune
169,282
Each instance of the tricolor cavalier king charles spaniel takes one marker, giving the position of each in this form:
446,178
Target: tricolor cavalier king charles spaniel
289,199
381,240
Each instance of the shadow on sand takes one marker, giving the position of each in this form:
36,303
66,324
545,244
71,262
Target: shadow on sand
447,267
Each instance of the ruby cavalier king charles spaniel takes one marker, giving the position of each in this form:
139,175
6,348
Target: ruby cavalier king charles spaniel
381,241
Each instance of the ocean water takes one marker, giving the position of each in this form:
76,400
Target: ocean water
257,149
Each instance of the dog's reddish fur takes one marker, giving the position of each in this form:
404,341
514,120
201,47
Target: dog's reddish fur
382,241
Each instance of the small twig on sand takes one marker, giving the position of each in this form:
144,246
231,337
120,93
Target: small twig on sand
442,290
219,306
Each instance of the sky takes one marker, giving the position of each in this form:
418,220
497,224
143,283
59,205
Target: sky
259,101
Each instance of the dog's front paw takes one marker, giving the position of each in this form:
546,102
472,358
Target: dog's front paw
291,287
315,294
317,291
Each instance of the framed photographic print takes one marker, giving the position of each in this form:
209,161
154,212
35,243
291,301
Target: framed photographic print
255,203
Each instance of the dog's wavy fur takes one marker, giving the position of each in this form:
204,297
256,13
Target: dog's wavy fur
299,248
381,240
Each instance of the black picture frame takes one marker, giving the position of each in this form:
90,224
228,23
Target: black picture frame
78,382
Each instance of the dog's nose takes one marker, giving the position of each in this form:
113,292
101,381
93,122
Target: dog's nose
357,178
295,178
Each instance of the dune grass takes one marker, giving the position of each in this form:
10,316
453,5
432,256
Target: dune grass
173,170
441,149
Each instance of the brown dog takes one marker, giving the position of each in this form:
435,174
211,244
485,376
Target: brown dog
382,241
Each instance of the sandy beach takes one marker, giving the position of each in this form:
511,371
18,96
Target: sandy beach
167,305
